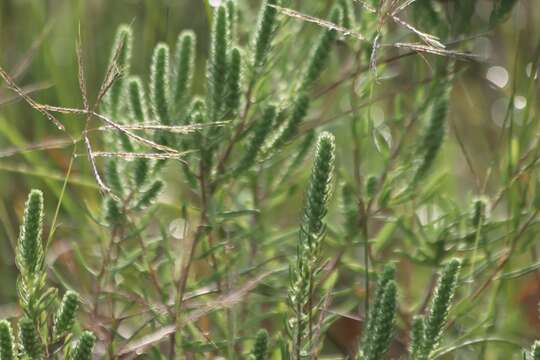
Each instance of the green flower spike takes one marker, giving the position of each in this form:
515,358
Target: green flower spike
233,82
217,64
30,248
440,307
66,313
122,49
321,52
260,349
30,340
383,324
184,68
434,136
83,350
159,84
7,351
265,31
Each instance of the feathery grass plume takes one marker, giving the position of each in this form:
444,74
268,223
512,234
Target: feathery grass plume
7,350
29,247
348,20
290,128
184,62
150,195
30,340
321,52
387,275
535,351
112,176
113,213
65,317
233,82
159,83
217,64
434,135
303,273
417,335
383,324
265,31
260,133
440,307
260,348
123,44
83,350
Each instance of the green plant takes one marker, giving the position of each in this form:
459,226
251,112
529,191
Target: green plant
305,271
435,320
205,168
41,334
260,348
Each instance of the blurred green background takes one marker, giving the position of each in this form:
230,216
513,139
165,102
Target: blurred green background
37,45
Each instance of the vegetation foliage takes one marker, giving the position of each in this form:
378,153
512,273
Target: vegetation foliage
237,210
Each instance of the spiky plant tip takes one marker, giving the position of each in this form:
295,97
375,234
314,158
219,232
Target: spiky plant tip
141,172
7,349
299,111
379,341
321,52
137,106
85,346
434,134
263,35
30,247
159,83
480,211
112,210
417,336
148,196
371,186
30,340
320,184
440,307
112,176
65,316
123,43
121,56
217,65
387,275
349,19
260,348
232,19
184,69
233,82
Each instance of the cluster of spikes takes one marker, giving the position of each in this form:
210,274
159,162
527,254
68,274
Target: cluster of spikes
47,326
427,329
231,112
